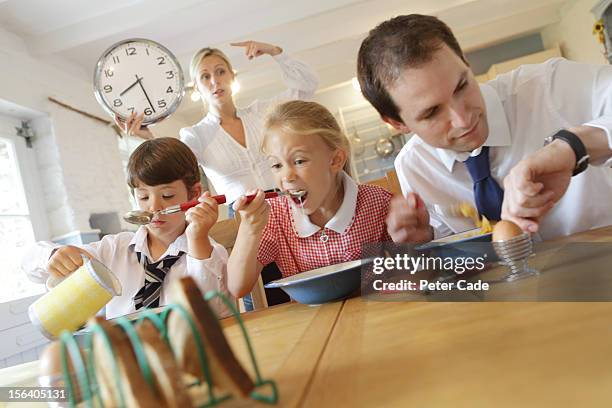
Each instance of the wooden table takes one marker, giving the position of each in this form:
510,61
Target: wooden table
437,354
288,341
502,354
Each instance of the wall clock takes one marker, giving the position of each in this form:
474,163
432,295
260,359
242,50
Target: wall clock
139,75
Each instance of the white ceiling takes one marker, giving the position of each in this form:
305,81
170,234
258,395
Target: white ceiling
323,33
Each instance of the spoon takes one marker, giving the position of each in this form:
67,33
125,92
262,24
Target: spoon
141,217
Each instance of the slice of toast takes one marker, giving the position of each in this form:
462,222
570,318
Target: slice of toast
226,371
167,375
136,391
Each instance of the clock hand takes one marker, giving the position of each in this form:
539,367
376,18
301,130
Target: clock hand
131,86
145,92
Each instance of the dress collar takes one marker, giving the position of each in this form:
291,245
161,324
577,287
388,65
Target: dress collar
339,222
499,131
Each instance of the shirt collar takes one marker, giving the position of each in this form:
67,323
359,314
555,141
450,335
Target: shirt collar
499,130
139,244
211,118
339,222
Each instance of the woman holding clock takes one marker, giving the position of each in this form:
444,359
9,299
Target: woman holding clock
227,140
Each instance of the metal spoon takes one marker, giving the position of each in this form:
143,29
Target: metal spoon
140,217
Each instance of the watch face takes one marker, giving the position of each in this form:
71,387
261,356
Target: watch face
139,76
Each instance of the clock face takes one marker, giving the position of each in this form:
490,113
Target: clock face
139,76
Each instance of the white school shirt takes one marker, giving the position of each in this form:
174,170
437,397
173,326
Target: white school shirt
523,108
118,253
232,168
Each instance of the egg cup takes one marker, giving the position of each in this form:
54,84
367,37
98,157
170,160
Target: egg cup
514,253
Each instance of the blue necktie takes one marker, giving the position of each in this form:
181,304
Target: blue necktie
148,295
487,193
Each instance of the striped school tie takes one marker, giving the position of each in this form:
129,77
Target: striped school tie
148,295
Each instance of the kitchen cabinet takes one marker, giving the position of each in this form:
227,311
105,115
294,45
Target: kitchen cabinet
507,66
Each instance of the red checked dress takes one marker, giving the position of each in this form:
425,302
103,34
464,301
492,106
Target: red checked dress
293,254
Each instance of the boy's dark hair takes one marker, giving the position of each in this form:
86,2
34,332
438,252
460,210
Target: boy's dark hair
403,41
162,161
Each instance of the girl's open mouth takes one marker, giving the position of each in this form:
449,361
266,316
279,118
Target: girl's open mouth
299,200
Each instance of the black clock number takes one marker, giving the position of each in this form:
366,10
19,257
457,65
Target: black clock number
169,90
108,73
148,111
169,74
117,103
130,51
131,110
108,88
161,103
115,59
161,60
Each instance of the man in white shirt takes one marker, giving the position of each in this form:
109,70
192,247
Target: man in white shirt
469,137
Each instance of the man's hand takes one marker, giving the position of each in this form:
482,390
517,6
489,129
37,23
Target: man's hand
536,183
408,220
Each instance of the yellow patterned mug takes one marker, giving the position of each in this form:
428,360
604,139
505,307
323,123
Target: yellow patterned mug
75,299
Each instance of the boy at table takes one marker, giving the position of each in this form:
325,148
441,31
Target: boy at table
161,172
469,136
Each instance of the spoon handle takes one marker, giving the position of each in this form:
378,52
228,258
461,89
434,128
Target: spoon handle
221,199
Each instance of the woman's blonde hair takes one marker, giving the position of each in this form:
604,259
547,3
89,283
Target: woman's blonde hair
203,53
305,119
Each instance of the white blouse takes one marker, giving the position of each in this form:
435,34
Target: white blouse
231,167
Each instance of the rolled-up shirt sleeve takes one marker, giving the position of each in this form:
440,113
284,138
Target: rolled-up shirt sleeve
588,89
300,79
34,263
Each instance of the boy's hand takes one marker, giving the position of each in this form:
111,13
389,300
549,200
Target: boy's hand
254,215
202,217
66,260
408,220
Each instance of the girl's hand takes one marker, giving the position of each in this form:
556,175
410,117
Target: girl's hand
255,49
66,260
254,214
133,126
202,217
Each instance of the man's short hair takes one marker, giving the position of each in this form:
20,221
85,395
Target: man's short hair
162,161
403,41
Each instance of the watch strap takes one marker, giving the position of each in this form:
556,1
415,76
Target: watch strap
582,158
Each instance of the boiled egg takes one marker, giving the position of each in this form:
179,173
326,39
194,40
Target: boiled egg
505,230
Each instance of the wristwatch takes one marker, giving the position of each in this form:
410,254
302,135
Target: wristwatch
582,158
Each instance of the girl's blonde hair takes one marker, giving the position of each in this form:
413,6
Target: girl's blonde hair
203,53
305,119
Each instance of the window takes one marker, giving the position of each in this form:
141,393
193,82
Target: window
16,231
127,144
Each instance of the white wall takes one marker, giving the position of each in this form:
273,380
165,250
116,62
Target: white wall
574,33
78,158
